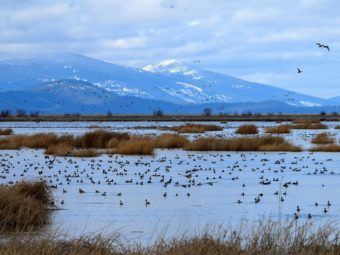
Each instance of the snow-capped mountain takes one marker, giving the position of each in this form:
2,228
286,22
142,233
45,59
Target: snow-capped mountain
202,86
73,83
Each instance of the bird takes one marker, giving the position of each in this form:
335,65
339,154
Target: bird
299,70
320,45
197,61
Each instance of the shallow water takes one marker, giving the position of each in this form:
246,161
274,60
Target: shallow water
208,195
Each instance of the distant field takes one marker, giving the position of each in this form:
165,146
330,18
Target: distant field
67,118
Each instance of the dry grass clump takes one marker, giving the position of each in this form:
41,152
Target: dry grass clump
266,143
247,130
308,126
306,121
99,139
171,141
195,128
136,146
82,153
60,149
282,129
322,138
265,237
327,148
24,206
6,131
337,127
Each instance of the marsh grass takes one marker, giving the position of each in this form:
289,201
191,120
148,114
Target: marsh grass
266,143
24,206
327,148
264,237
282,129
136,146
195,128
6,131
170,141
247,130
322,138
308,126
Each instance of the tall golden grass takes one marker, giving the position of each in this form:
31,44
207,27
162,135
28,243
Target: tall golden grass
337,127
304,121
308,126
6,131
327,148
136,146
322,138
171,141
24,206
265,237
195,128
89,144
282,129
247,130
266,143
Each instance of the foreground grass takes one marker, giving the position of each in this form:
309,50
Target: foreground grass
195,128
308,126
24,206
265,237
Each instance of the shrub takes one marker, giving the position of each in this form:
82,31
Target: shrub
247,130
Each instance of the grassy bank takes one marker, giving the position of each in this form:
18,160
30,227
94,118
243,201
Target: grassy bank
91,143
24,206
266,237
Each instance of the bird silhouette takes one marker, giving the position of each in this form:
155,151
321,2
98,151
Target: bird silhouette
299,70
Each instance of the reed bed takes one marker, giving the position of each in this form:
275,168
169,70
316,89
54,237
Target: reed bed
282,129
195,128
136,146
337,127
264,237
247,130
306,121
327,148
24,206
6,131
322,138
308,126
266,143
171,141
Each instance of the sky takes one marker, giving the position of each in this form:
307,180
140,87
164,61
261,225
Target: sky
259,40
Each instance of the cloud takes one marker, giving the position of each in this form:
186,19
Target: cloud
243,38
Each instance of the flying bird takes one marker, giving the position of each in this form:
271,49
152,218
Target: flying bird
299,70
320,45
197,61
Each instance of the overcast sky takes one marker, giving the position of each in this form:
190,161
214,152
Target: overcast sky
258,40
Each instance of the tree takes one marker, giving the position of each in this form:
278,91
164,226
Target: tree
207,112
158,112
5,113
21,112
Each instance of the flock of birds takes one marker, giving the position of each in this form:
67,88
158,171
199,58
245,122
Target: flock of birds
258,177
320,45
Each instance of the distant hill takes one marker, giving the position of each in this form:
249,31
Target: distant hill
70,83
